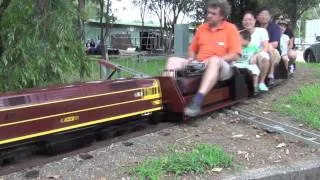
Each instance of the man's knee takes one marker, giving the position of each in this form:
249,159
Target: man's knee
262,56
275,56
214,61
175,59
175,63
292,54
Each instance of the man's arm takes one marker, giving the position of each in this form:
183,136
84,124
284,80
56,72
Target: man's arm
275,35
265,46
191,55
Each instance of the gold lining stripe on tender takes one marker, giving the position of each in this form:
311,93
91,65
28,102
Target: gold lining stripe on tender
78,126
71,112
71,99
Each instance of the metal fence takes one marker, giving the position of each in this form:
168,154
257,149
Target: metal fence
150,44
131,66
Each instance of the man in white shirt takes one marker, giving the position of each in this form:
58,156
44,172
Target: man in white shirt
264,19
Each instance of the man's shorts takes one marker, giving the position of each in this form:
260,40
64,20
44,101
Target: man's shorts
225,71
275,55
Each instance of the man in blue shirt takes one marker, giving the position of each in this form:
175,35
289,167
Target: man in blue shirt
274,31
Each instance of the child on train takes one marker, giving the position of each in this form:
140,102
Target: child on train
247,59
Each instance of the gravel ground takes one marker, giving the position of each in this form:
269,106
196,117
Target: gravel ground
250,147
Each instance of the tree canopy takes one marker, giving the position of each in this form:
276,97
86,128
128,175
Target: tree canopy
293,9
39,43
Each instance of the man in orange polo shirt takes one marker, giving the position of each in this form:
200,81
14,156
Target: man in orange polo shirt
216,44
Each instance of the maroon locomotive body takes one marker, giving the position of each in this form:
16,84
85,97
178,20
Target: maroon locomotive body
31,116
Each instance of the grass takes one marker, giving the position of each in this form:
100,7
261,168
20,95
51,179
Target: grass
201,158
304,105
314,67
152,67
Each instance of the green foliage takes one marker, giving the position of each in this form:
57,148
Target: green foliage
312,13
239,7
292,9
304,105
203,157
39,49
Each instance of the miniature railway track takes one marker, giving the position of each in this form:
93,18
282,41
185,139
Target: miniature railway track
310,138
29,161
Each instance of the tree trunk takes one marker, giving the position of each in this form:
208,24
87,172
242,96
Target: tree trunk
102,30
106,33
293,24
102,49
41,7
80,25
3,7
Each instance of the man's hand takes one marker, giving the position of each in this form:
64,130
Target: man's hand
190,59
230,57
274,44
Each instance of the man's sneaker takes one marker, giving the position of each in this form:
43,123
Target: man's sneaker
263,87
271,81
291,68
256,90
192,110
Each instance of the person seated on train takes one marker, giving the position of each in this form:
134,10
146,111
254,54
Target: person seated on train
264,19
292,54
260,39
284,44
216,44
248,59
88,44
